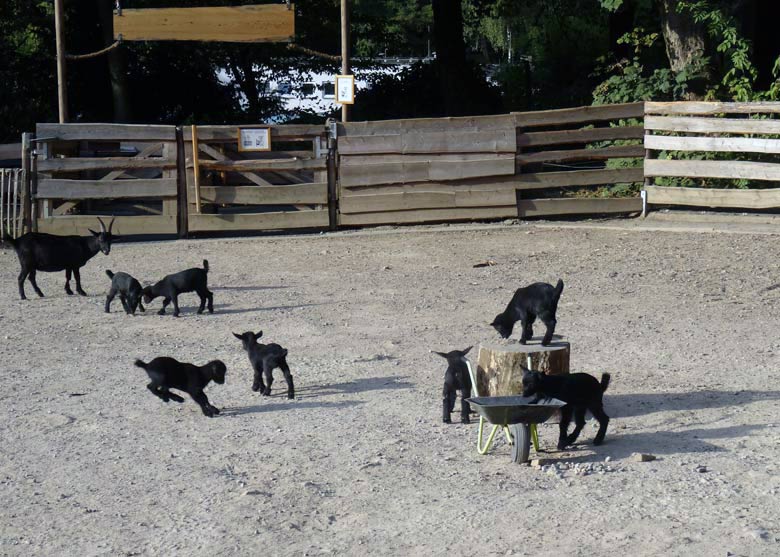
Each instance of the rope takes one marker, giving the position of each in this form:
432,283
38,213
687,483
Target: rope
93,54
310,52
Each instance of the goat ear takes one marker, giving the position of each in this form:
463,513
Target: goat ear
93,232
258,334
466,351
239,337
442,354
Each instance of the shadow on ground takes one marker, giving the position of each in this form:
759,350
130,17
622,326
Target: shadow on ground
389,383
292,405
626,405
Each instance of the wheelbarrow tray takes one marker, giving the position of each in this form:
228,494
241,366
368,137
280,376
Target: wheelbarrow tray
506,410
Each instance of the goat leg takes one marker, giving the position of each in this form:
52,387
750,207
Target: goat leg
165,303
210,297
68,273
269,379
122,299
203,402
20,280
566,413
258,384
289,378
579,421
31,278
175,300
465,409
598,412
109,299
77,276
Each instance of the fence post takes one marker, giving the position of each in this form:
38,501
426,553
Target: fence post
332,165
27,185
182,220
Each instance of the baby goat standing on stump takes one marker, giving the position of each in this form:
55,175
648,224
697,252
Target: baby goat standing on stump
536,300
456,378
178,283
49,253
168,373
264,359
581,393
129,291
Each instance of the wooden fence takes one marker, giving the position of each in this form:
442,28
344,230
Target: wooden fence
12,202
286,188
105,169
676,132
442,169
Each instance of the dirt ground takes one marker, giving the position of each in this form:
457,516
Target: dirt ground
360,463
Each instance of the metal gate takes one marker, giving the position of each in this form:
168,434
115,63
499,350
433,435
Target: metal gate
11,202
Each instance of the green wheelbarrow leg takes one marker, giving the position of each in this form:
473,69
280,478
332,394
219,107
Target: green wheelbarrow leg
534,437
489,443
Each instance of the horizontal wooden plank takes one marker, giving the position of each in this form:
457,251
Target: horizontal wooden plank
712,144
75,164
571,155
298,194
745,170
710,197
578,206
706,108
258,221
393,173
229,134
105,189
10,151
543,180
124,226
579,115
242,24
429,215
422,199
362,160
428,125
494,141
690,124
258,165
495,183
569,137
105,132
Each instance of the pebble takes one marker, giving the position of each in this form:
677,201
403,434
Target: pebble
757,533
642,457
701,469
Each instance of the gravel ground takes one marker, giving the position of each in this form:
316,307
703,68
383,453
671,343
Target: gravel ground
360,463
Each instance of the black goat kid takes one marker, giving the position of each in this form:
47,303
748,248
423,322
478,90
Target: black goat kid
178,283
264,359
129,291
49,253
456,378
581,393
536,300
168,373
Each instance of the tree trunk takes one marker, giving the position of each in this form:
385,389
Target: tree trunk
450,54
500,367
117,64
684,38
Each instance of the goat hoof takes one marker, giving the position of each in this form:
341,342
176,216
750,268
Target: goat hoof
200,312
291,396
522,341
68,291
81,292
161,312
465,420
256,388
176,315
215,410
598,442
447,421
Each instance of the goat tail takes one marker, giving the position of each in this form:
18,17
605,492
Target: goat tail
558,289
141,364
110,274
605,377
284,353
206,265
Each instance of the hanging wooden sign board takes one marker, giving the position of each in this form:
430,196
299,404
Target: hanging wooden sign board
238,24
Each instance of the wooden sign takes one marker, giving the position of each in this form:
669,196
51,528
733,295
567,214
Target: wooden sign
254,139
239,24
345,89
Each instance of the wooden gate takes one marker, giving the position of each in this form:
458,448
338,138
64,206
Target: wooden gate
88,170
284,188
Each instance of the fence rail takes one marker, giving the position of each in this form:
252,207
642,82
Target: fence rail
687,140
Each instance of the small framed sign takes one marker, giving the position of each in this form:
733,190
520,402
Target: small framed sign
254,139
345,89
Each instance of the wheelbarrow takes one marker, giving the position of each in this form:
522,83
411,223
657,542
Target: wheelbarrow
517,417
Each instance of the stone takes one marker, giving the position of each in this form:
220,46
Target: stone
642,457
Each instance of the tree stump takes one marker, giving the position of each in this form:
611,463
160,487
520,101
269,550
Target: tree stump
498,366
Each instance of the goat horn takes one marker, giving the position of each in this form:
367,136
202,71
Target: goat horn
102,225
111,224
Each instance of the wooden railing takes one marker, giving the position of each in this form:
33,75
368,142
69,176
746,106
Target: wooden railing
688,140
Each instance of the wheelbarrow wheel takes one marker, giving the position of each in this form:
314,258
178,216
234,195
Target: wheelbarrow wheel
521,448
